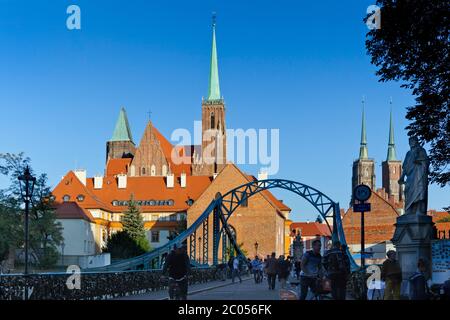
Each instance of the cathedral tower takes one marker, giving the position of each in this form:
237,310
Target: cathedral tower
121,144
213,157
392,168
363,167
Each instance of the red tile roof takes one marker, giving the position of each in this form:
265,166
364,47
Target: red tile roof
311,229
142,188
71,210
117,166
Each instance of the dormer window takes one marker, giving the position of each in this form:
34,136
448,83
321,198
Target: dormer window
66,198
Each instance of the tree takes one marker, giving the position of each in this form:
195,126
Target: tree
412,46
45,232
131,240
121,246
133,224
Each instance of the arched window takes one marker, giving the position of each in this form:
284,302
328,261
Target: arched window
153,170
213,120
66,198
164,170
143,171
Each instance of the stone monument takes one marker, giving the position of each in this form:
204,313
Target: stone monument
414,229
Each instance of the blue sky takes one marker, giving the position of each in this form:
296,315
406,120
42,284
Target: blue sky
296,65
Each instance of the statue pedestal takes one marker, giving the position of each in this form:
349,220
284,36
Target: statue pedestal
412,239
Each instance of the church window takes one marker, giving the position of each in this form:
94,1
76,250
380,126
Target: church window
213,120
153,170
164,170
143,171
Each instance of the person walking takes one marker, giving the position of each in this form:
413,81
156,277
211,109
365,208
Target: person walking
337,266
283,269
298,268
391,274
256,267
177,265
236,272
312,270
418,286
271,270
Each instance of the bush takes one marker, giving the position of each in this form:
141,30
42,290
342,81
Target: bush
121,246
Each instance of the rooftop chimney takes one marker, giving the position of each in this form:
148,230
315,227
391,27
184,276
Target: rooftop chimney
98,182
183,180
170,180
122,181
81,175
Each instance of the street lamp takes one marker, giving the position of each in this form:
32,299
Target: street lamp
256,247
26,182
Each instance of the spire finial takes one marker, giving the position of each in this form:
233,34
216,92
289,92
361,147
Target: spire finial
391,155
363,153
214,87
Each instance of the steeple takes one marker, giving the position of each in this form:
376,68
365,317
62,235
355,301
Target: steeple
122,130
391,155
363,153
214,87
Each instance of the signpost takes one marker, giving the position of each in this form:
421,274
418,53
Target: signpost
362,193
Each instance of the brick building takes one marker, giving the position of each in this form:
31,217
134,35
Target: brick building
172,186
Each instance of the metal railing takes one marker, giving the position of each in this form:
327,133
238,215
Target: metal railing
93,285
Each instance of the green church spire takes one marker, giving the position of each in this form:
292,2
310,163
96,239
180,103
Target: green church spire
391,155
363,153
122,130
214,87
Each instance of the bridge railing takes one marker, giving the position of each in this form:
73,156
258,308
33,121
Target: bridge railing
93,285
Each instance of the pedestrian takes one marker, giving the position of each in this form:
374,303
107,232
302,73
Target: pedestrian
418,286
391,274
271,270
298,268
256,267
283,269
177,265
337,266
236,270
312,270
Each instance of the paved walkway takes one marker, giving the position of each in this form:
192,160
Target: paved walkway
219,290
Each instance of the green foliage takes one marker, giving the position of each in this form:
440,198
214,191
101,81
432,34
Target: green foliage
121,246
45,233
131,241
133,225
412,47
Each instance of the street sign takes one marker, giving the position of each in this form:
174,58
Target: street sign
362,192
361,207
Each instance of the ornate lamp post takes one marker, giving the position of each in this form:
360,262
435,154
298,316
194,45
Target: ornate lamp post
256,248
26,182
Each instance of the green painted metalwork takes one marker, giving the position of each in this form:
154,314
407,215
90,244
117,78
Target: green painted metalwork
214,87
122,131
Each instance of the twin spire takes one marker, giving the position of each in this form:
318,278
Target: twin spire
363,150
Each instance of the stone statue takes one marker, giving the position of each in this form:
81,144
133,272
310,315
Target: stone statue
415,168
